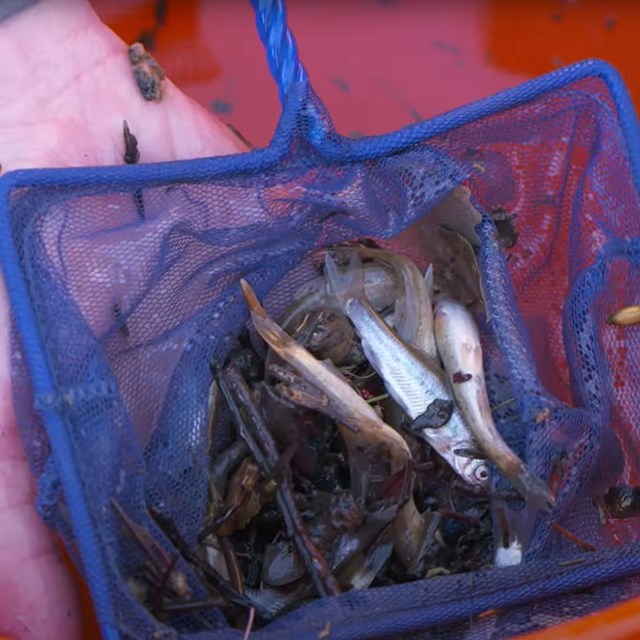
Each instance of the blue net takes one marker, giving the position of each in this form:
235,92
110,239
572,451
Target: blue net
117,317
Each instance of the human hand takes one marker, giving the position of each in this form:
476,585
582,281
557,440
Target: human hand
67,85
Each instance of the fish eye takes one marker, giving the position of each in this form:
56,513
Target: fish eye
483,473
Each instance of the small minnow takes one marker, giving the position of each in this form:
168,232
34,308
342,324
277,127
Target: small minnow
413,314
381,288
458,340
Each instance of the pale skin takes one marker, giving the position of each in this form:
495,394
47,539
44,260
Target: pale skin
66,88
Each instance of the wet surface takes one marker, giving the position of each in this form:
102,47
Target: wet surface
377,64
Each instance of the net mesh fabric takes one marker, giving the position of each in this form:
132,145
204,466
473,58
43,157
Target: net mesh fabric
134,302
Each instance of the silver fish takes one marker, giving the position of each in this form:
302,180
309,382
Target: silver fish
411,378
458,340
381,288
413,314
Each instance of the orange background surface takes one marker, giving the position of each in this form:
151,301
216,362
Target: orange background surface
380,65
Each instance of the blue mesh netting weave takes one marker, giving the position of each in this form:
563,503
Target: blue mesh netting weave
104,414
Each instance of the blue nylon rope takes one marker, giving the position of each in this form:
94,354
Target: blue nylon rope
282,53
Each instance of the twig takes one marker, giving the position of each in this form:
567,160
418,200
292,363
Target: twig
233,568
571,563
504,528
210,575
156,597
247,630
142,537
194,605
231,383
573,538
235,575
243,430
383,396
357,377
219,519
502,404
454,515
488,614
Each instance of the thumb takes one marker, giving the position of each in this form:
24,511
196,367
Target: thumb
65,97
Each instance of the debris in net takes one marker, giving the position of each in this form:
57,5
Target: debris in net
506,227
147,72
249,627
621,502
325,632
338,479
626,316
121,323
163,578
317,566
585,546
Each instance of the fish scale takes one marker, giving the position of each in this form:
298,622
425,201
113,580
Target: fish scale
404,382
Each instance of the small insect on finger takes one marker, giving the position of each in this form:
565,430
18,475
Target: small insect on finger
626,316
148,74
131,153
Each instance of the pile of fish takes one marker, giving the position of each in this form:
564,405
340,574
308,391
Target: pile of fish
364,439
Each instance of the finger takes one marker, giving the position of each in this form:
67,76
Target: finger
65,97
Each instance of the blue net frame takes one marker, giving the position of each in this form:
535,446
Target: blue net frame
563,148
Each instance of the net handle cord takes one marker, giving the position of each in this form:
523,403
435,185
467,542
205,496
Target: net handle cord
282,53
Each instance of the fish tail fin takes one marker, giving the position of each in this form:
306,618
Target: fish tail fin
346,275
534,490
